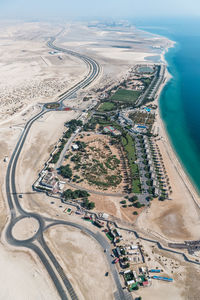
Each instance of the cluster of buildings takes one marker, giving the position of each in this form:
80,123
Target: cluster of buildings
139,128
127,255
124,119
152,172
157,82
135,279
114,235
49,182
142,277
111,130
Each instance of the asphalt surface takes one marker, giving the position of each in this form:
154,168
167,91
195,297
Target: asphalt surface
17,212
55,271
105,245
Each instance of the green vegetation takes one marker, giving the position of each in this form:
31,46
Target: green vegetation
123,202
146,81
142,118
77,194
134,287
129,146
56,156
112,180
138,205
122,251
107,106
97,165
125,259
81,145
66,171
132,199
126,96
52,105
102,120
112,162
72,126
69,194
87,204
129,276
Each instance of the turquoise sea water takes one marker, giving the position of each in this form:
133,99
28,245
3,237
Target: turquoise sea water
180,98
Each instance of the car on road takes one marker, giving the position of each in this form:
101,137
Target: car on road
106,274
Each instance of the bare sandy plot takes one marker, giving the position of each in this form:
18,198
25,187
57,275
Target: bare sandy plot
178,218
23,278
30,72
25,228
185,276
161,290
43,136
84,262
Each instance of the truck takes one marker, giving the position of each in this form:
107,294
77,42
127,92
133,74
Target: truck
115,260
98,223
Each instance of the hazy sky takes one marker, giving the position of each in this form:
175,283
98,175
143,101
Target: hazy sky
100,8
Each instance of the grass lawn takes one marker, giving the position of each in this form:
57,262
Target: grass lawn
107,106
129,146
136,186
126,96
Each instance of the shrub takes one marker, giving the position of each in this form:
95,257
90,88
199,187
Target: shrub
123,202
66,171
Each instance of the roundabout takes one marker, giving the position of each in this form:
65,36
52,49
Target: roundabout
25,229
52,105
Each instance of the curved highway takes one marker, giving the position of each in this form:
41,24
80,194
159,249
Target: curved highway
17,212
94,69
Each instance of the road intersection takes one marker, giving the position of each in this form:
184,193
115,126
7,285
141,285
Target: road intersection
18,214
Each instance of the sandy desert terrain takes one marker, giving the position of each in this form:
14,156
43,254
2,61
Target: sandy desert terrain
30,75
78,253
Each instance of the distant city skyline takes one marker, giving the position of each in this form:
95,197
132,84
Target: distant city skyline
98,9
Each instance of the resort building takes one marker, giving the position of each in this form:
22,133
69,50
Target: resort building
112,130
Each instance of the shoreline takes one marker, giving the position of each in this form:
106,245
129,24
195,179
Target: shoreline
195,193
173,156
181,211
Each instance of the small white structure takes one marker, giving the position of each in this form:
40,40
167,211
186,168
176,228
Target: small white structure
105,216
75,147
130,282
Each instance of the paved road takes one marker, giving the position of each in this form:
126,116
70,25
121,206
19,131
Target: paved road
55,271
17,212
105,245
65,149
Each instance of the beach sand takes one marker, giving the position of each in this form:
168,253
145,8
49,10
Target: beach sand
177,219
17,110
